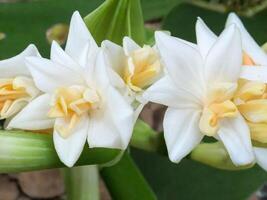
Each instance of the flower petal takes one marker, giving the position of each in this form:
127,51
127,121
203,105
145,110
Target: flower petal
48,75
205,37
261,157
254,73
34,115
129,45
111,126
60,57
15,66
183,63
165,92
223,63
116,61
69,149
248,43
234,133
181,132
79,40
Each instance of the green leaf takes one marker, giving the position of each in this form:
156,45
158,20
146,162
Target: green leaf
192,180
25,151
115,19
82,183
124,181
181,22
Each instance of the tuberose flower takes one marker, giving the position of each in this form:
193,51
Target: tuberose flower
132,69
17,88
79,101
198,89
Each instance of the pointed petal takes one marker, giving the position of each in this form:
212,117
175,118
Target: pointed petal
261,157
234,133
15,66
48,75
205,37
34,115
129,45
248,43
166,92
59,56
69,149
181,132
223,63
112,126
254,73
183,63
116,61
79,39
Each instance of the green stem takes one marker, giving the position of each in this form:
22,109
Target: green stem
82,183
25,151
124,181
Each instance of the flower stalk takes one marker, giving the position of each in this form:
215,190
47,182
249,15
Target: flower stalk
82,182
24,151
125,171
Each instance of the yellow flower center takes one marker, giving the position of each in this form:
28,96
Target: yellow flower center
143,67
251,100
14,94
218,107
70,104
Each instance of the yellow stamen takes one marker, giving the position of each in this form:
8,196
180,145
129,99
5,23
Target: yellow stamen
12,92
142,69
70,103
218,107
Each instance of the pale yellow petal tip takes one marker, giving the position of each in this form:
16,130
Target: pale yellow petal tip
2,35
58,32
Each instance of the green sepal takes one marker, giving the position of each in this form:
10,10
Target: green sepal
215,155
25,151
115,19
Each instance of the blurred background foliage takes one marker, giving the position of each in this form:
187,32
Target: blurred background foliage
27,22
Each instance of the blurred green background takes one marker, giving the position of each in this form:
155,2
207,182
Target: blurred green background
27,22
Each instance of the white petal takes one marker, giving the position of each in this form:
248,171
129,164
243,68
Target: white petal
224,60
48,75
15,66
60,57
234,133
254,73
248,43
78,39
165,92
34,115
181,132
112,125
116,61
183,63
129,45
261,157
205,37
69,149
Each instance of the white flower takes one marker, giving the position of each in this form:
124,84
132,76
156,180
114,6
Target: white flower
132,69
253,104
79,102
17,88
198,89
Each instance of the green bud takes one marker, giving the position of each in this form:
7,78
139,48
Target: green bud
215,155
115,19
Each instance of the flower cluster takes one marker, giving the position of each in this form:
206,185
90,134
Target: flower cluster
214,88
